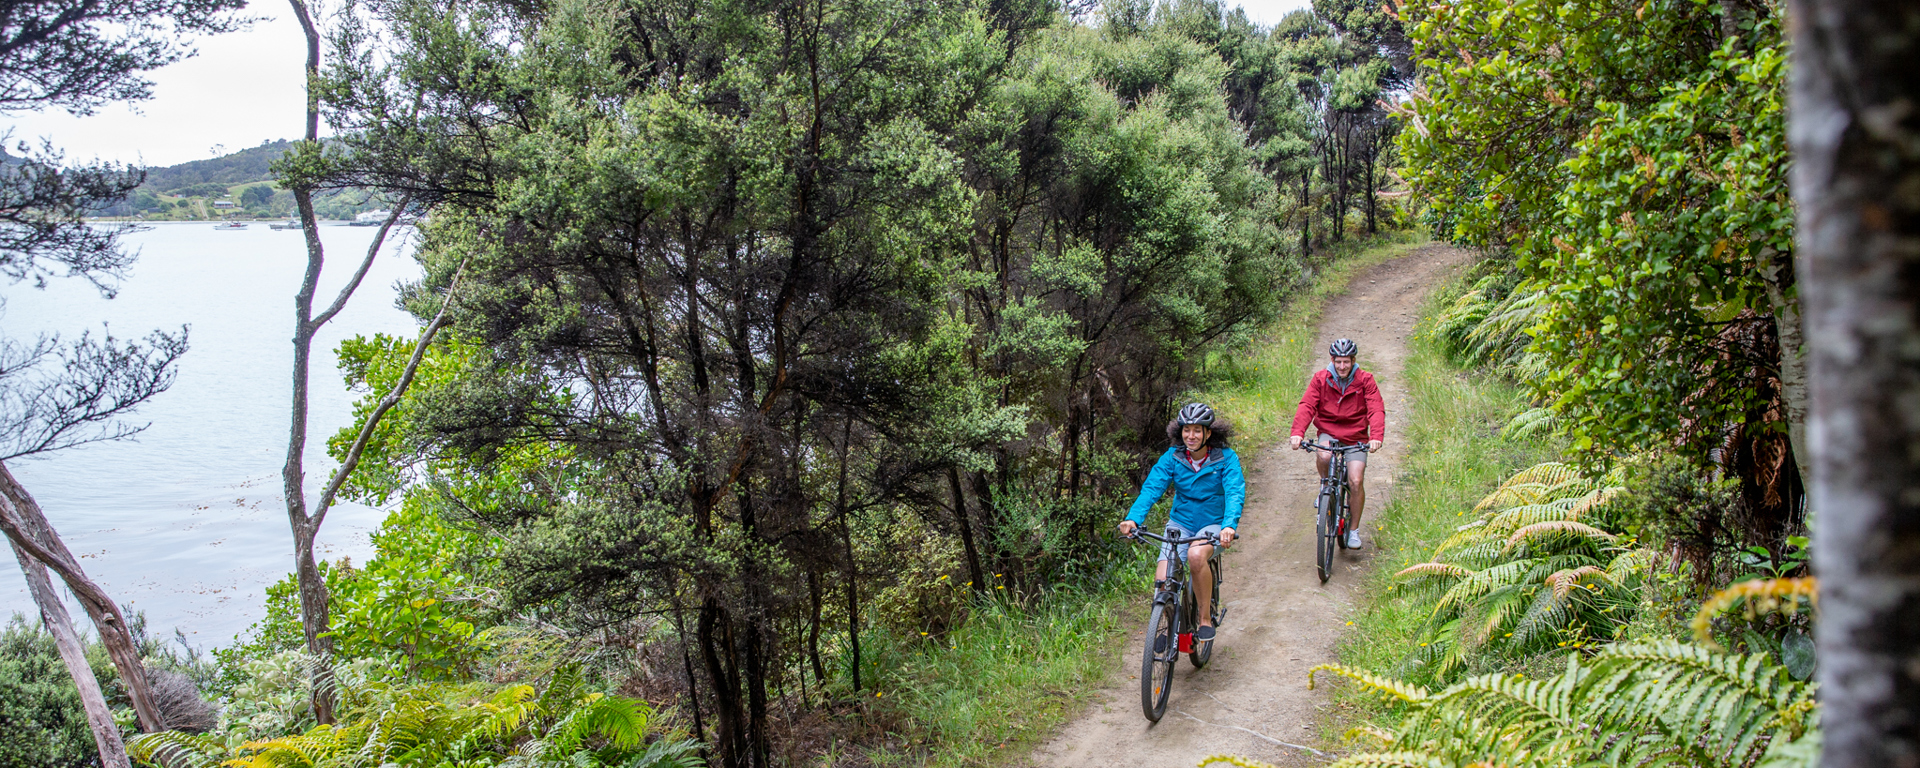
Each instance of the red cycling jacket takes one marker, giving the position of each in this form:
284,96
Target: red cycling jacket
1351,416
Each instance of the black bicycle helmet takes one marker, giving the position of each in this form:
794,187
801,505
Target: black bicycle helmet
1196,413
1343,348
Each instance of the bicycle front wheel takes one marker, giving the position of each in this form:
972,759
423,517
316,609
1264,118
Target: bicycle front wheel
1157,660
1324,527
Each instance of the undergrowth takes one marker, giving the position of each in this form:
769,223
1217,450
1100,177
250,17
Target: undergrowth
1457,454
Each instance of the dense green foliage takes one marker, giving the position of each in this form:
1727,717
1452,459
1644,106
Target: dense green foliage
40,711
1630,161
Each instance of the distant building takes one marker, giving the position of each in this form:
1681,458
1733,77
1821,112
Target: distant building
223,203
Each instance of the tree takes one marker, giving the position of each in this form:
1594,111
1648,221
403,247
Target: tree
1854,139
304,169
1632,157
79,56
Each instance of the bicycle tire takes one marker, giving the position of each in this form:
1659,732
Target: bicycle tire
1203,652
1323,535
1343,519
1156,669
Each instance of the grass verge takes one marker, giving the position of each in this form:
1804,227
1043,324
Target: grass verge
988,692
1457,457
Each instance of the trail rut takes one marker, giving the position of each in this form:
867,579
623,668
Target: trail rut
1252,700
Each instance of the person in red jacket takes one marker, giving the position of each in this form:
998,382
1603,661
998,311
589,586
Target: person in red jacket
1344,402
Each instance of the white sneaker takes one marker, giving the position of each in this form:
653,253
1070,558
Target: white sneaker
1353,539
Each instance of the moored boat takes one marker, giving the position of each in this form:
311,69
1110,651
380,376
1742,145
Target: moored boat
284,225
230,226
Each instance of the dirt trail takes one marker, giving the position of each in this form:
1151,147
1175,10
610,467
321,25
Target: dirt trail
1252,700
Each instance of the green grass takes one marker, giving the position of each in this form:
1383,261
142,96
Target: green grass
990,690
985,694
1456,456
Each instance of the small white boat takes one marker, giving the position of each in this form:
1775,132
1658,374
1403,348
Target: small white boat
284,225
230,226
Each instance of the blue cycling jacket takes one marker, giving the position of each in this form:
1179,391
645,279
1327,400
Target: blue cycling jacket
1212,495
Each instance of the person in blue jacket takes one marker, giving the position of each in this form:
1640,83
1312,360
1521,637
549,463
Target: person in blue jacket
1209,492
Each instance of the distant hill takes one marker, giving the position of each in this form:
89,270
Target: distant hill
247,165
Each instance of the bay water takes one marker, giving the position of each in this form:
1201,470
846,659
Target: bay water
187,522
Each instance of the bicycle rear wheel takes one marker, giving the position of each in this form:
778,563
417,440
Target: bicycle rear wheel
1343,519
1156,662
1324,534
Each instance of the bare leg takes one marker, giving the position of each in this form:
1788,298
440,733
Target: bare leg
1202,580
1320,458
1356,494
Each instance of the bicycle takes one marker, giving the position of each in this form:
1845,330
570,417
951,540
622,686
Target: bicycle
1331,514
1170,633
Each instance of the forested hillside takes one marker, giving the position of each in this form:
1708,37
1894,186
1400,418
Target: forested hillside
239,185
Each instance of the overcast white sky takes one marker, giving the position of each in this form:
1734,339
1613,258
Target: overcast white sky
243,89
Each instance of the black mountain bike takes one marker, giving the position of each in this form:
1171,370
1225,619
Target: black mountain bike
1331,514
1165,625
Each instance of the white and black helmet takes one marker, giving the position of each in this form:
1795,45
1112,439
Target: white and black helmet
1343,348
1196,413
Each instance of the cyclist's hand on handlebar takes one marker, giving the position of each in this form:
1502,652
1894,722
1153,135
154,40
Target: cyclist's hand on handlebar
1293,442
1226,537
1127,528
1373,446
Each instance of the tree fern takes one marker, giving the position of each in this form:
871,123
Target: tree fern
1527,575
1630,705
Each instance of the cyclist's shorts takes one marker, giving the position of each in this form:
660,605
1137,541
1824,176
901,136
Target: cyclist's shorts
1166,550
1357,457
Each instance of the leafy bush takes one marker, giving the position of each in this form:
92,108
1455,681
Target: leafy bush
41,722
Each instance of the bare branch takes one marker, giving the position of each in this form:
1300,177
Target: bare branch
373,250
83,402
387,403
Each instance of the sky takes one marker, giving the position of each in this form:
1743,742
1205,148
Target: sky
242,90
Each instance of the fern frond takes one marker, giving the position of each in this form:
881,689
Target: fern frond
1564,527
1403,691
1547,473
1529,422
1383,735
1563,582
1238,762
1447,570
173,748
1393,760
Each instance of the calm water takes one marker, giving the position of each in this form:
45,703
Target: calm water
187,522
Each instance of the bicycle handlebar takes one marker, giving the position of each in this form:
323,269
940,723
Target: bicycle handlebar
1141,531
1355,448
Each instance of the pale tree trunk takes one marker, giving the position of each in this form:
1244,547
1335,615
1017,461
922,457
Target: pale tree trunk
1855,130
1777,272
106,735
27,527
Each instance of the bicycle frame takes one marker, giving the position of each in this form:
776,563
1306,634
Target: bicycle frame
1331,511
1172,618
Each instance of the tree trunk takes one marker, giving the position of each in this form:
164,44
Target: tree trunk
1777,271
106,734
965,520
25,523
1855,132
